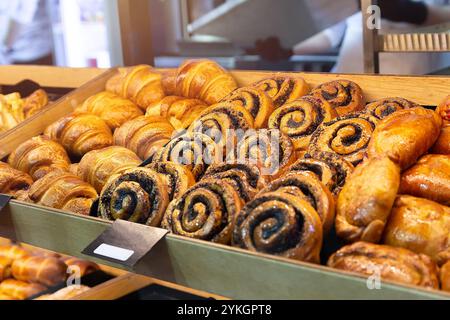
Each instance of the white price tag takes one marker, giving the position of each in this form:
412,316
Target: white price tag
114,252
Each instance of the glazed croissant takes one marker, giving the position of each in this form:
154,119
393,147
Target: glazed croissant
39,156
113,109
20,290
200,79
390,263
81,133
179,111
97,166
47,271
140,84
12,180
63,190
144,135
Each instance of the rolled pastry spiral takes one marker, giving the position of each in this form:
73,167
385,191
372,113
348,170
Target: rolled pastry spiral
138,195
347,136
206,211
113,109
81,133
343,95
309,188
391,263
144,135
97,166
140,84
65,191
12,180
281,224
178,178
256,101
222,122
270,150
299,119
282,89
179,111
199,79
331,169
385,107
246,179
39,156
194,150
366,200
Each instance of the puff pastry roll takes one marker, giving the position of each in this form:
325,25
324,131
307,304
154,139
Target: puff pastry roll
13,252
392,264
81,133
79,266
39,156
282,224
345,96
429,178
406,135
20,290
5,268
420,225
366,200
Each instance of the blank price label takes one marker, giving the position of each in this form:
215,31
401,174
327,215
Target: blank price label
114,252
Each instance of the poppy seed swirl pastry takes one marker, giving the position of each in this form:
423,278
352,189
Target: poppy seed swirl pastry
406,135
221,121
331,169
309,188
343,95
246,179
178,178
299,119
137,195
195,150
346,136
366,200
270,150
206,211
385,107
283,89
281,224
256,101
392,264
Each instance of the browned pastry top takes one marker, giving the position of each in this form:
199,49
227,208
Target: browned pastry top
12,180
283,89
366,200
20,290
420,225
429,178
406,135
47,271
392,264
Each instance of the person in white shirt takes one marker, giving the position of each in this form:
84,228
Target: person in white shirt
26,36
349,34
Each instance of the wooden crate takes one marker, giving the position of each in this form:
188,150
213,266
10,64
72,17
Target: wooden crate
221,270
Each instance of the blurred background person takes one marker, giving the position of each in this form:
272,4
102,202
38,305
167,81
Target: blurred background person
26,34
398,16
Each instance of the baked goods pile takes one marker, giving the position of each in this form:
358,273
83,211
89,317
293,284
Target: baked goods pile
14,109
304,165
25,273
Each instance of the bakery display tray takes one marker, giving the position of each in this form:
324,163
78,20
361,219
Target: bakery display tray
217,269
